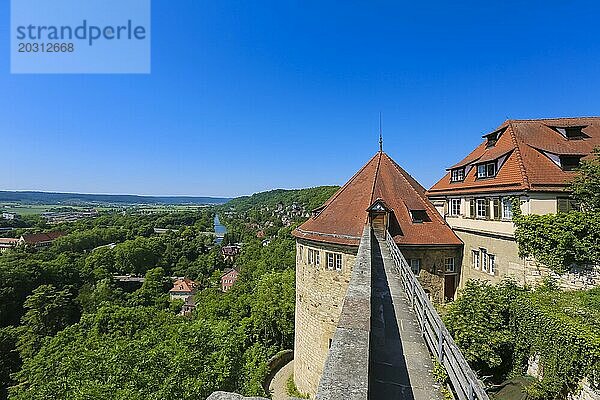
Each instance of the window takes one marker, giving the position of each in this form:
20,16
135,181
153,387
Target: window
415,265
571,132
419,216
314,257
482,208
484,260
449,264
565,204
301,253
455,207
330,261
506,208
338,262
334,261
487,170
475,259
492,264
458,175
569,163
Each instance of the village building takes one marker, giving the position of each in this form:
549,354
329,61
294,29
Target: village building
8,243
9,215
230,252
385,196
37,240
182,289
531,160
228,278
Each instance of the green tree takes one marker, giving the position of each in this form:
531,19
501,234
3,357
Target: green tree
49,311
479,321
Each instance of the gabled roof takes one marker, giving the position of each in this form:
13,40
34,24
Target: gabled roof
35,238
228,270
342,218
184,285
526,145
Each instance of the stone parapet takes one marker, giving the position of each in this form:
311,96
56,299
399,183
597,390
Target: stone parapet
346,372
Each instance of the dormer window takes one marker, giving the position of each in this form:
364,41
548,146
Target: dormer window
486,170
493,137
571,132
419,216
569,163
458,175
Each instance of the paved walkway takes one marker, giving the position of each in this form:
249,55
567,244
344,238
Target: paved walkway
400,365
277,388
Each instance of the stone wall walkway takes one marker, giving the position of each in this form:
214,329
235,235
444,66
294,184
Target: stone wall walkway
400,363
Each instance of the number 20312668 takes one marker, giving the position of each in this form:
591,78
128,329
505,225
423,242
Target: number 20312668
46,47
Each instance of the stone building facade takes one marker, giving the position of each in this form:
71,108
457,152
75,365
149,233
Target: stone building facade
320,289
531,160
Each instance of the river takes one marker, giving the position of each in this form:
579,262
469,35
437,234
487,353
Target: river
219,229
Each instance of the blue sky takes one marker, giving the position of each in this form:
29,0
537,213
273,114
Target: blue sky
249,96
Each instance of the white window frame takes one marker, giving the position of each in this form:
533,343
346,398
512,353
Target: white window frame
507,210
311,256
480,205
483,172
338,262
415,265
330,261
317,258
475,259
449,265
492,264
455,207
458,175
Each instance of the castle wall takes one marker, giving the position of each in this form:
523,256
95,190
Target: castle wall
320,293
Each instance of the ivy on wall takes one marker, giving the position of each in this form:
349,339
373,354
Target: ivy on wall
498,328
561,240
563,329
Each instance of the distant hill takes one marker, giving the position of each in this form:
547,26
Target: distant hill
79,198
310,198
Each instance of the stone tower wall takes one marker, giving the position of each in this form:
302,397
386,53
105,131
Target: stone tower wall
319,297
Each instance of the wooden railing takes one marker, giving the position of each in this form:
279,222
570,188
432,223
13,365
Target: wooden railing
464,381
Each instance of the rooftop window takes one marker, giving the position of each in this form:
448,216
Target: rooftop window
458,175
571,132
493,137
419,216
486,170
569,163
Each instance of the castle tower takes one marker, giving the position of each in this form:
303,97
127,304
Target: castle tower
385,196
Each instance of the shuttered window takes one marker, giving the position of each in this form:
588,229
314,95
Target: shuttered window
565,204
496,203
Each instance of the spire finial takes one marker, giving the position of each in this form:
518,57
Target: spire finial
380,135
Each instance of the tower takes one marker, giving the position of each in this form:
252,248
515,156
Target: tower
385,196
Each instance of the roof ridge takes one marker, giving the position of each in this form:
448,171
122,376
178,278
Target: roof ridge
375,178
550,119
522,169
324,206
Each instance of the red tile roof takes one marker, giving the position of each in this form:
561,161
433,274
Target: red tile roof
342,218
184,285
526,167
35,238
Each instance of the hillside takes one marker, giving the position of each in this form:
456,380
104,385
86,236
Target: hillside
79,198
309,198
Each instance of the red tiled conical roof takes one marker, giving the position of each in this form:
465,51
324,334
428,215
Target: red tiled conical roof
342,218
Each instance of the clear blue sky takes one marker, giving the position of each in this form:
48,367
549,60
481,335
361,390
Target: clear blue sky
248,96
